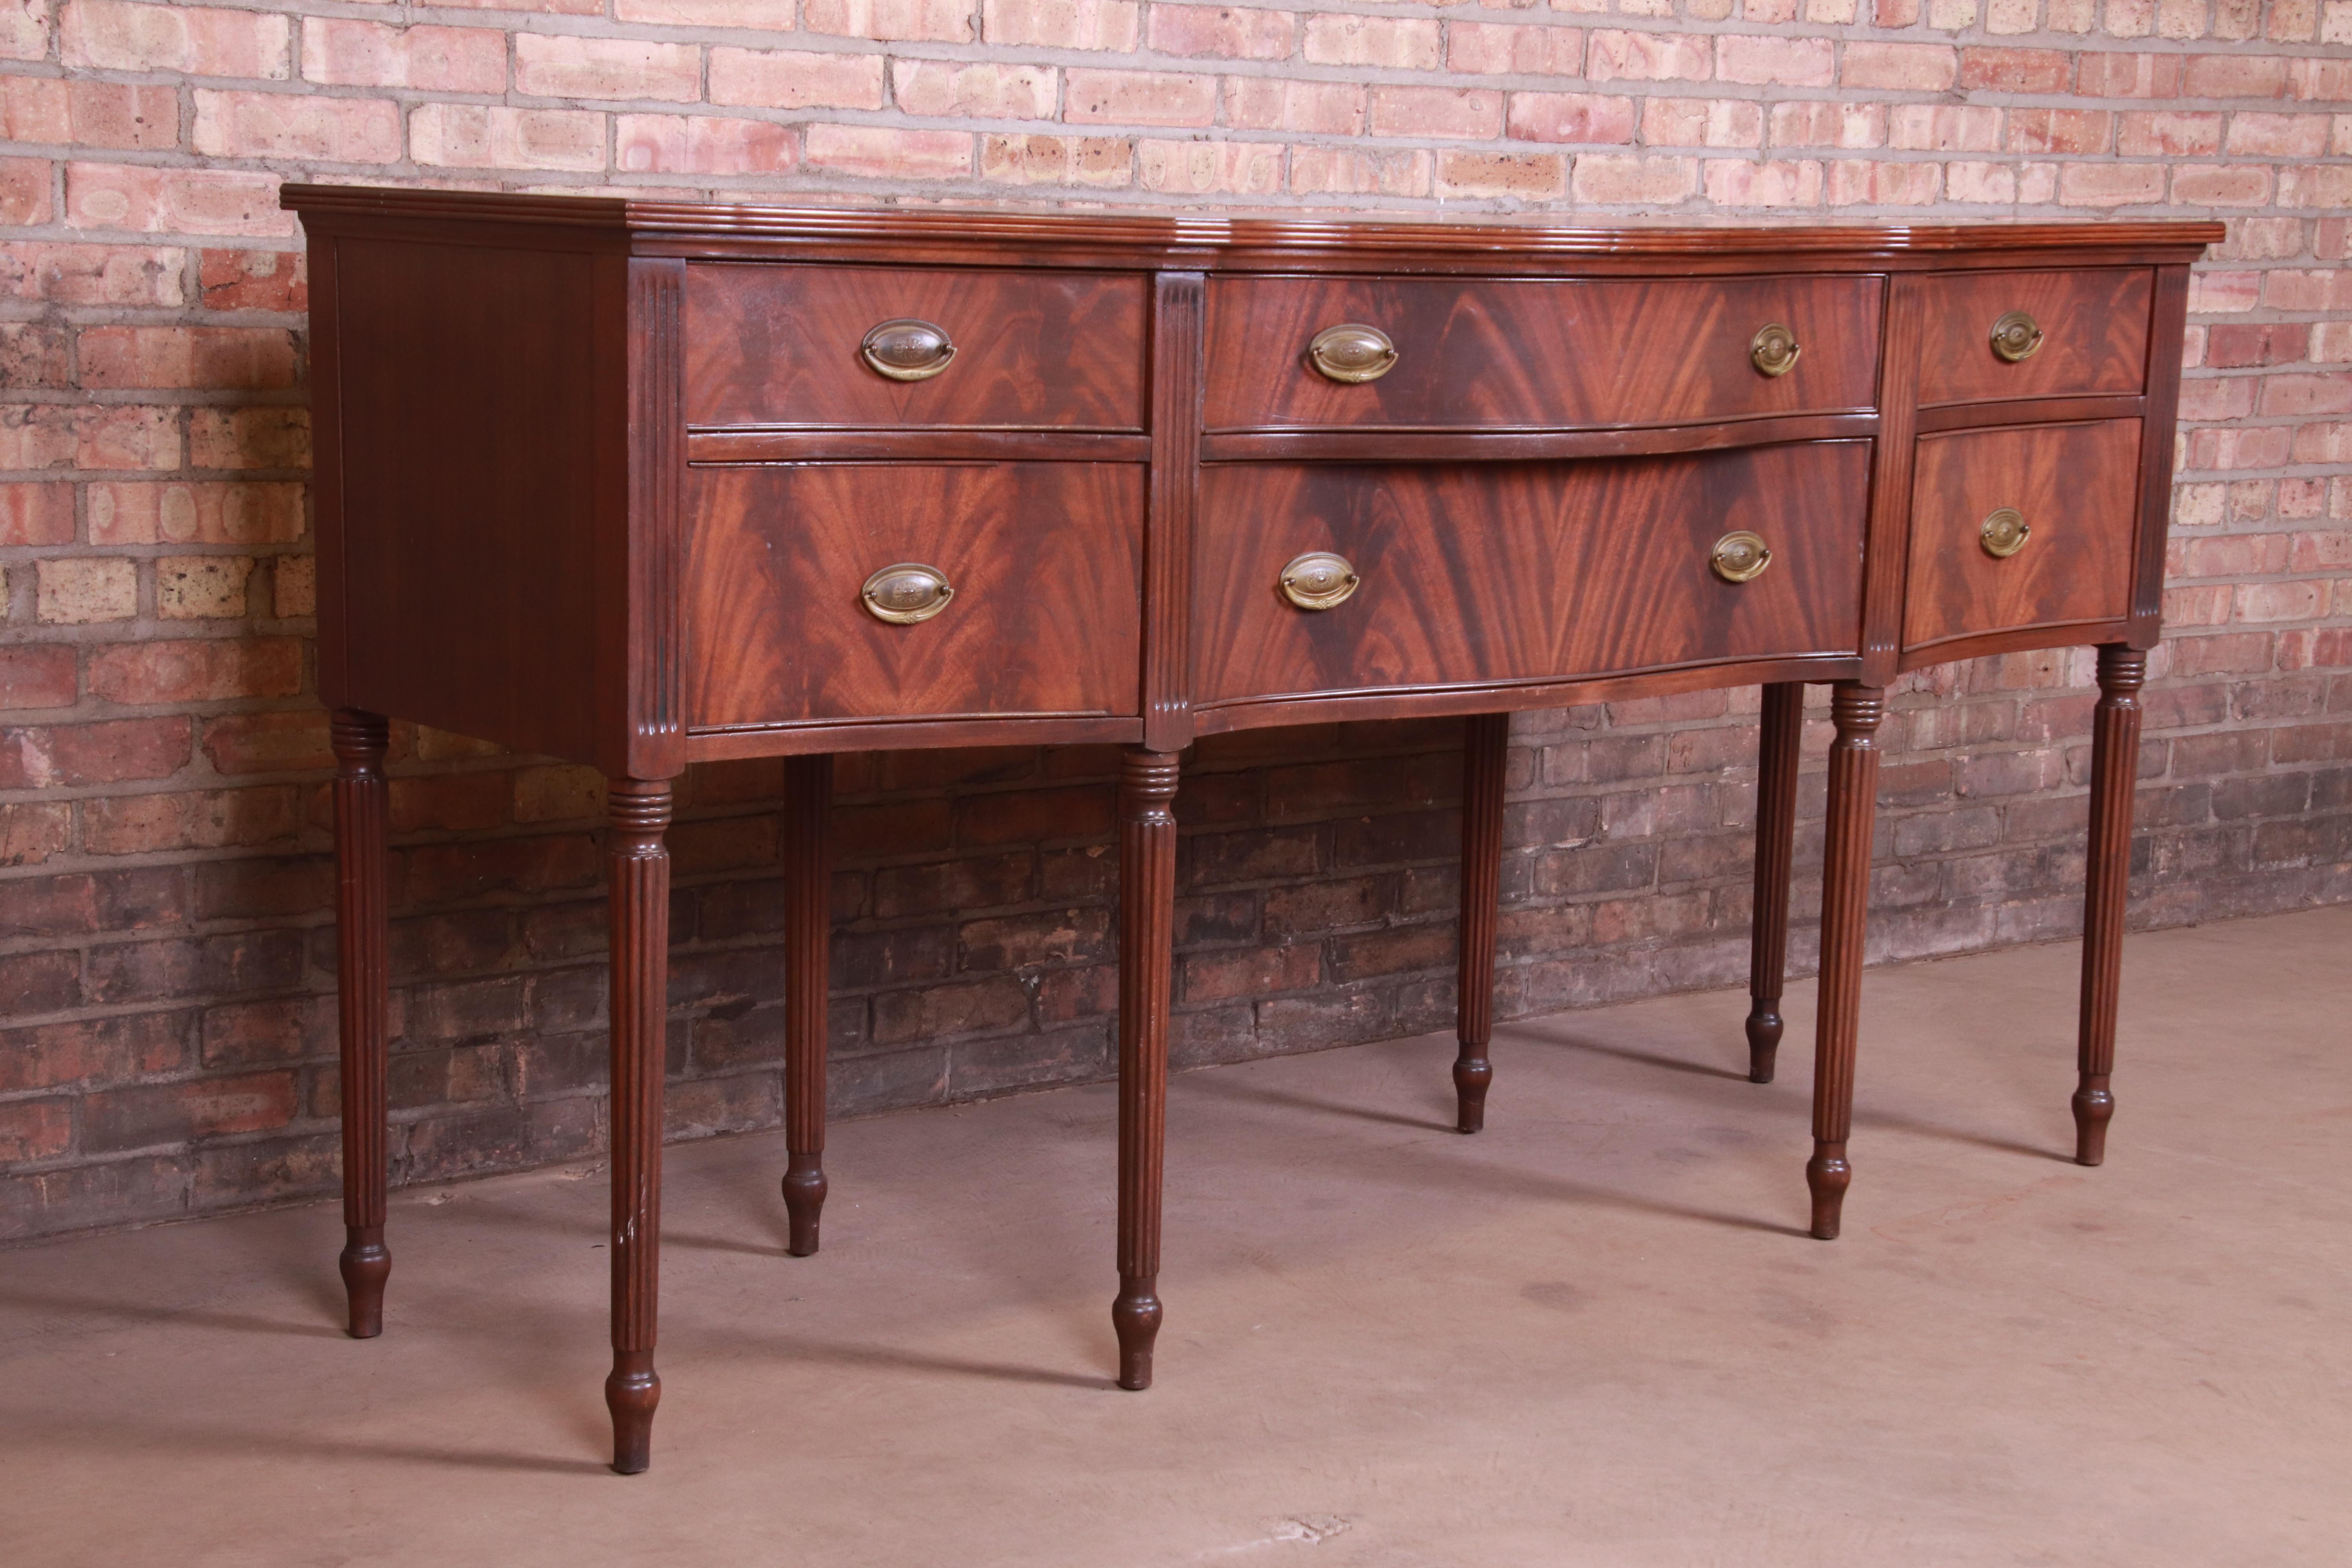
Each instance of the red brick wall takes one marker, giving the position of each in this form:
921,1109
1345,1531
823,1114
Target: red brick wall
164,951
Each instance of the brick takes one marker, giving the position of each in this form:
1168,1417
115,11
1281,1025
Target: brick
945,88
208,671
24,30
1138,98
113,436
2016,71
2165,133
1853,182
349,53
1268,103
1206,168
938,21
1465,114
1612,56
205,819
36,675
297,125
736,16
1535,176
34,356
1226,32
701,144
172,1113
112,751
36,515
1115,25
1914,68
32,831
268,743
2243,186
1571,117
201,587
1491,49
1095,161
2101,75
485,136
795,79
1761,59
1943,128
79,274
88,113
78,591
199,40
1351,171
1740,183
25,191
1391,43
881,153
1617,178
92,1050
275,281
266,438
215,358
2110,185
2234,75
1820,125
548,66
183,201
194,513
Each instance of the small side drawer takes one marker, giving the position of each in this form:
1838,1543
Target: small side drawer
2075,488
2093,338
1502,353
1045,562
772,344
1321,578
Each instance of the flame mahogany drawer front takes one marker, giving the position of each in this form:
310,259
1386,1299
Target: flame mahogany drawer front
2071,491
1503,352
1525,572
788,345
1043,616
2079,334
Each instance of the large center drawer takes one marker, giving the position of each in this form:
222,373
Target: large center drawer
1042,563
1500,354
1495,572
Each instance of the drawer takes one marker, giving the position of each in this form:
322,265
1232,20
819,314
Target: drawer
1505,353
1524,572
1045,562
2077,488
768,344
2093,329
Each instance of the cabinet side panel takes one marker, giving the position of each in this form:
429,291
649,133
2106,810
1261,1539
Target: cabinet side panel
467,488
2168,325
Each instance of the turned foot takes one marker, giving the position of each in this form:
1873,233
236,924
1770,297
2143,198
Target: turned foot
804,1189
1136,1316
1763,1042
630,1393
1471,1076
1827,1176
2093,1105
366,1264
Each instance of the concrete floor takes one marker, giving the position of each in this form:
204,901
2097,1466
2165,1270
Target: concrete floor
1593,1334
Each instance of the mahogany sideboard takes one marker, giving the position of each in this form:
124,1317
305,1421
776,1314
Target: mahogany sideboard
641,484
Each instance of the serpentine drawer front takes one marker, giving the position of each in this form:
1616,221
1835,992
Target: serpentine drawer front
648,484
1513,353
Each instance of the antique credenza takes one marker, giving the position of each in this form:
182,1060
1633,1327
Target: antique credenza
641,484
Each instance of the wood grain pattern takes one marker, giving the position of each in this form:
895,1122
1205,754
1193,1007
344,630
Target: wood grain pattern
2077,486
808,933
2164,356
771,344
1856,711
362,990
1485,758
1887,542
638,864
2115,769
1046,560
2094,326
1499,354
1146,917
1519,571
1776,764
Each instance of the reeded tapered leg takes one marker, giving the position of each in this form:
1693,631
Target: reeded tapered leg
808,930
638,868
1485,751
2115,767
1776,838
362,988
1147,921
1845,906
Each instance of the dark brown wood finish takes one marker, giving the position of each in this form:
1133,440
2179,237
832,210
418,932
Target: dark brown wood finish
1045,558
1146,920
1856,711
2077,488
1486,759
1538,353
771,344
1573,568
604,479
808,931
363,985
1777,763
2114,768
637,866
2095,328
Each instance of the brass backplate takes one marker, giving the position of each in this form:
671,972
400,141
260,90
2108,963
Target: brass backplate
1318,580
907,349
2004,533
1740,556
906,592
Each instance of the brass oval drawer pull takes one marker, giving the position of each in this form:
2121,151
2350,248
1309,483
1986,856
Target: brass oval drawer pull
1774,350
908,350
906,593
1352,353
1318,580
1739,557
2015,337
2004,533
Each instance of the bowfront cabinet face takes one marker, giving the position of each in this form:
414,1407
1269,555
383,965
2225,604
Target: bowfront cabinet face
1499,573
2004,336
1508,353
